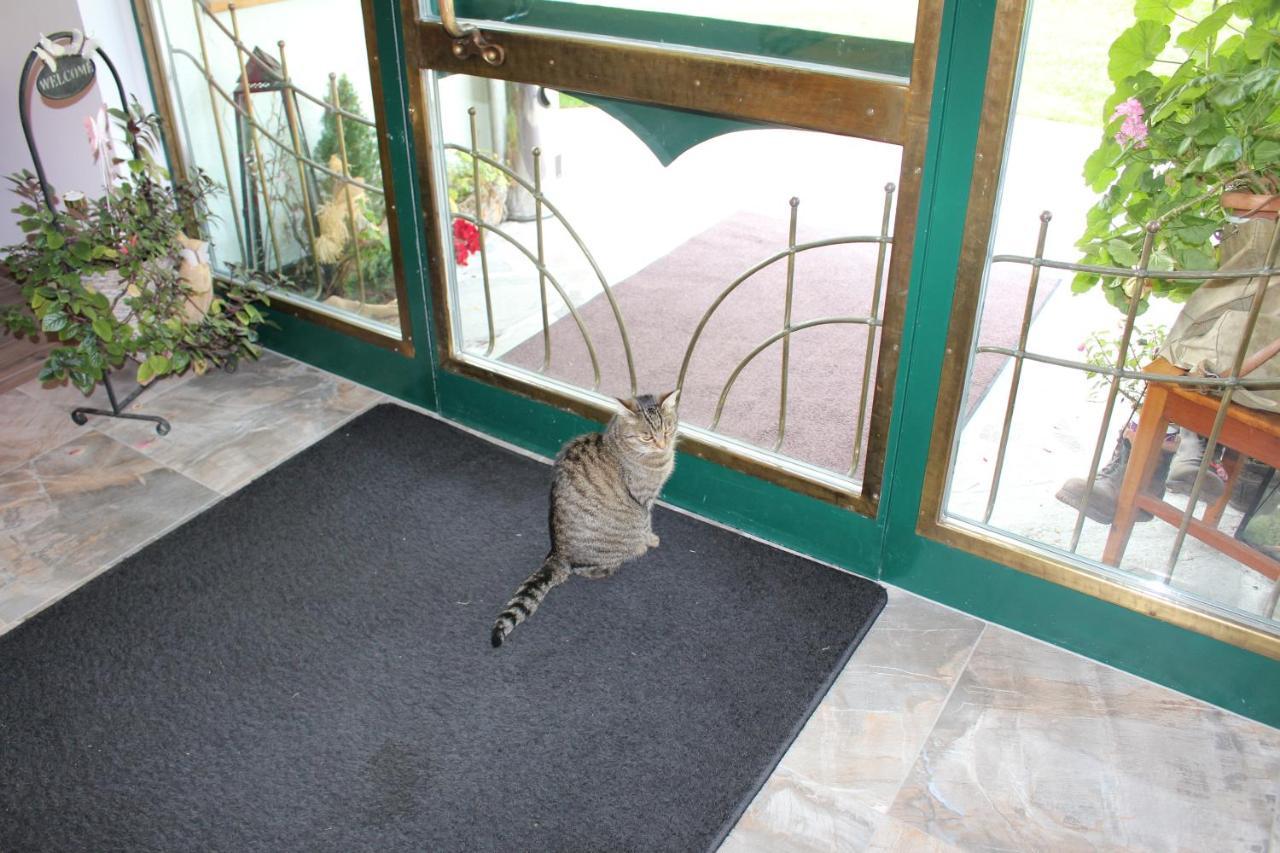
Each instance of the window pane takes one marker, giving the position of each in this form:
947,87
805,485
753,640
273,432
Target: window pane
302,206
667,232
1027,478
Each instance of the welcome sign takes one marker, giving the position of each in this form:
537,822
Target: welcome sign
73,75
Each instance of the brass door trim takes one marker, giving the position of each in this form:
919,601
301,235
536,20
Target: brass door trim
1098,585
823,485
401,342
898,282
993,129
296,305
805,98
756,90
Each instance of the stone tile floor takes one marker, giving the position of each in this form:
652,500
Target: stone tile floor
943,733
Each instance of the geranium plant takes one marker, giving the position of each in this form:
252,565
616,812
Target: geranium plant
1189,119
129,235
462,187
466,241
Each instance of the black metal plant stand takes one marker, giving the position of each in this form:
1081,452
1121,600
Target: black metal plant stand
25,92
81,415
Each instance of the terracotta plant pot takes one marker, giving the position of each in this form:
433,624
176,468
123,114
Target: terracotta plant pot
1251,205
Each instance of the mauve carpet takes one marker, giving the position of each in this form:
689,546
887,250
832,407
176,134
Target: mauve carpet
306,667
663,303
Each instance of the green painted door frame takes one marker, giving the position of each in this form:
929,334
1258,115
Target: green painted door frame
886,547
407,377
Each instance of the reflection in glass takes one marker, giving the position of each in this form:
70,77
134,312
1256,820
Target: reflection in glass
275,103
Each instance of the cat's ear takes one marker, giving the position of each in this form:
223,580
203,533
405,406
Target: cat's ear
669,400
629,406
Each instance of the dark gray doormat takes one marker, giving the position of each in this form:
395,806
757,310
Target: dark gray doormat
306,666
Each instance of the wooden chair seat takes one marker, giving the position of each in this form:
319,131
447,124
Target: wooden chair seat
1245,433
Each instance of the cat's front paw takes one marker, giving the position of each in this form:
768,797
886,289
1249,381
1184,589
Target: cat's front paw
652,540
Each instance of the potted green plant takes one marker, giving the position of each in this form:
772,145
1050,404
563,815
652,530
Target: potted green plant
111,278
493,189
1187,142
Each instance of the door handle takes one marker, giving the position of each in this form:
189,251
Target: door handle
468,41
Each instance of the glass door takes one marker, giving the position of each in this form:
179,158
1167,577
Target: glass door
623,200
286,116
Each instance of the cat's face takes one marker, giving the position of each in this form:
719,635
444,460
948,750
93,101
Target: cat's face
647,425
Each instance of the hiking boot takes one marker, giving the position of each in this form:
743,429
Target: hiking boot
1185,466
1101,506
1248,486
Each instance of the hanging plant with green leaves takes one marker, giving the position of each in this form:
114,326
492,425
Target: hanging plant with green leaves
103,275
1175,141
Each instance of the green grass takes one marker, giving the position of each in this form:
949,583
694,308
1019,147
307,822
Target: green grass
569,102
1064,69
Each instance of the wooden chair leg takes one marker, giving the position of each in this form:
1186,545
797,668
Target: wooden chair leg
1143,458
1232,461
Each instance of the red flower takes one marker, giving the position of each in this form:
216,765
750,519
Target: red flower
466,241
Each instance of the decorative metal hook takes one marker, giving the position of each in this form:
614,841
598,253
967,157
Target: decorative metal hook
467,40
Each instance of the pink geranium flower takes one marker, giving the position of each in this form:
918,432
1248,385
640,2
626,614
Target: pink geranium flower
1133,129
1131,108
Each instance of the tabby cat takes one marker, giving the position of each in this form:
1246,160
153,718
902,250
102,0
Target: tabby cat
602,498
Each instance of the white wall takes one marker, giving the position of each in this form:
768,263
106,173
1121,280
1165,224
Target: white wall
111,22
58,132
58,127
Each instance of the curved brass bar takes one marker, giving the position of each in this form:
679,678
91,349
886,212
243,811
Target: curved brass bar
259,165
1207,383
346,175
1011,401
1211,440
221,134
449,20
346,115
772,259
786,323
555,211
577,318
869,353
1113,391
177,51
295,136
484,254
542,259
1140,271
809,324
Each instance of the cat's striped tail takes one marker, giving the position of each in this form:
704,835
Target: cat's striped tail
554,571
